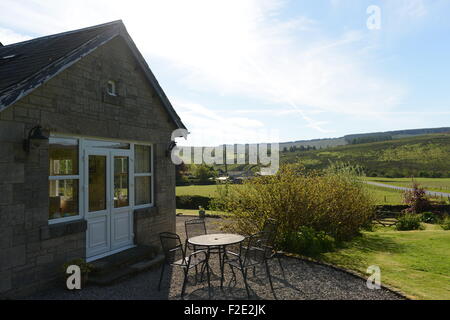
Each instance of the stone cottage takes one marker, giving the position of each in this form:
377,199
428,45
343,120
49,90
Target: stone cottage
85,138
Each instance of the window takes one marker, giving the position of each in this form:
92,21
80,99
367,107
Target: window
111,88
143,175
63,178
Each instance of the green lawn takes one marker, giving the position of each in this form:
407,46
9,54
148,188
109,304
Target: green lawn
386,196
415,262
431,184
205,191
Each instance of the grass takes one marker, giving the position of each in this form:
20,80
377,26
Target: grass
431,184
187,212
415,262
386,196
205,191
383,196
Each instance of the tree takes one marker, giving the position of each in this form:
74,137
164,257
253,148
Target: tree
180,174
203,173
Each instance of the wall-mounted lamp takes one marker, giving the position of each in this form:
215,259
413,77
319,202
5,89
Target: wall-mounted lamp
34,136
178,133
170,147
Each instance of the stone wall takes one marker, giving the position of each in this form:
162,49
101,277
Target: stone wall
74,102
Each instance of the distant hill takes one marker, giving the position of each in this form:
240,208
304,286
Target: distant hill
317,143
417,155
402,153
361,138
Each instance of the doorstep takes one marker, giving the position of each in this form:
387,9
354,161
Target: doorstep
119,266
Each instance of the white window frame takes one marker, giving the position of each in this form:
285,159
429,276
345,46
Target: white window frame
146,174
70,177
113,91
83,144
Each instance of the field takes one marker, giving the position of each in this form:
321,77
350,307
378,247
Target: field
416,262
440,185
382,196
421,156
385,196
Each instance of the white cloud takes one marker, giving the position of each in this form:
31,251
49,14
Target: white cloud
8,36
411,8
236,48
212,128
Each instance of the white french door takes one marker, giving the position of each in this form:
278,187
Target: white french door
108,190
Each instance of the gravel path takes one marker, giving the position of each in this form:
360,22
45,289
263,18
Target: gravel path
304,281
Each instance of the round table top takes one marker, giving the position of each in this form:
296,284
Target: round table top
221,239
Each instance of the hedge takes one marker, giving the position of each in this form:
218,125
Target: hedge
193,202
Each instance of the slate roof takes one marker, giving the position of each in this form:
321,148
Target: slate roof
26,65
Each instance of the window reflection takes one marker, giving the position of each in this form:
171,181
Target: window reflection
97,183
143,175
121,182
142,159
63,198
63,156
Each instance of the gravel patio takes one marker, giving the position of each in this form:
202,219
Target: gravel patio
304,281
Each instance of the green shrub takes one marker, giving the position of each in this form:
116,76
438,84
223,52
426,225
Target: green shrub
308,242
192,202
445,223
429,217
408,222
334,201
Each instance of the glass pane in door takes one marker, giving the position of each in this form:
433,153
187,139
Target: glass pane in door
121,182
97,183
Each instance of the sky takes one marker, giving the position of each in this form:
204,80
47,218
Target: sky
249,71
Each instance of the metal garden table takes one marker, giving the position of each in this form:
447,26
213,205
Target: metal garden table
220,240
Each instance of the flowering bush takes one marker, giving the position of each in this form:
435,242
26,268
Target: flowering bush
416,199
334,201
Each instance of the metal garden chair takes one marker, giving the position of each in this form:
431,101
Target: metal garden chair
175,255
271,227
253,252
197,227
